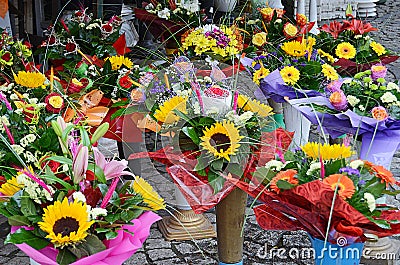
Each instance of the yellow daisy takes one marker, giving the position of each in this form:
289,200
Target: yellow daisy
66,223
326,151
166,112
29,79
378,48
150,197
221,139
326,55
260,74
290,75
10,187
295,48
118,61
255,106
329,72
345,50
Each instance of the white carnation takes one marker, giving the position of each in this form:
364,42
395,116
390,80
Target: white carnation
370,201
78,196
95,212
356,164
352,100
313,167
388,97
274,164
392,86
17,148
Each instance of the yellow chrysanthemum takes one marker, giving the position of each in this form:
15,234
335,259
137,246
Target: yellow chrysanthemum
29,79
10,187
260,74
290,75
329,72
378,48
255,106
326,55
118,61
345,50
221,139
150,197
326,151
166,112
66,223
295,48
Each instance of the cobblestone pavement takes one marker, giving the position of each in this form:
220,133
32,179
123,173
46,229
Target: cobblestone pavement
157,251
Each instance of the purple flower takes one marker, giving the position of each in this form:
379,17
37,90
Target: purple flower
361,182
350,171
338,100
334,85
378,71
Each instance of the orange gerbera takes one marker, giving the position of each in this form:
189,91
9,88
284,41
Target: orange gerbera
287,175
345,185
380,172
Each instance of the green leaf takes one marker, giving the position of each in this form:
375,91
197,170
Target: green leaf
120,103
66,132
51,178
28,207
235,169
60,159
289,156
124,111
18,220
381,223
391,193
111,235
93,244
129,215
333,168
217,164
215,180
186,118
85,137
284,185
102,230
264,174
98,171
65,256
202,162
192,134
24,236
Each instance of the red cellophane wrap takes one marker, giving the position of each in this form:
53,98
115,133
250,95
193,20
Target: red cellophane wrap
349,67
199,194
307,207
159,27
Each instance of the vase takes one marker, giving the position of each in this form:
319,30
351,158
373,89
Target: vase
230,220
225,5
336,254
297,123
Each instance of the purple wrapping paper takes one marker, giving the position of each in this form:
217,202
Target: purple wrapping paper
273,86
385,142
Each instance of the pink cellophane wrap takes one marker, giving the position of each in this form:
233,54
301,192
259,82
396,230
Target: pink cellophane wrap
118,250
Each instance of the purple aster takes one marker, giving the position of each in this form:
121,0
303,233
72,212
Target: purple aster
361,182
350,171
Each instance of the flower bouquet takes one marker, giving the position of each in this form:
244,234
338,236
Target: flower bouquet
365,105
64,212
213,127
168,19
350,43
317,188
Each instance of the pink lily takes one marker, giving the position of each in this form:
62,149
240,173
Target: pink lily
111,168
80,163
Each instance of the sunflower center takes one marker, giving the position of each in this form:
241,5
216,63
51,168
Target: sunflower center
65,226
220,141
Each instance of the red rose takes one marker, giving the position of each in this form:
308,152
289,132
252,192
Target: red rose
92,196
125,82
28,44
107,28
54,102
6,56
52,164
51,40
70,47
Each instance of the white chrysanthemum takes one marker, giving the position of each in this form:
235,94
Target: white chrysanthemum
196,108
388,97
14,96
392,86
29,157
356,164
370,201
78,196
17,148
92,26
212,110
95,212
274,164
313,167
164,13
358,36
352,100
361,107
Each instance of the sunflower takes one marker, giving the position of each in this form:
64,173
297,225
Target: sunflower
260,74
253,105
287,175
326,151
29,79
166,112
378,48
329,72
344,185
290,75
295,48
329,57
345,50
150,197
118,61
221,139
66,223
10,187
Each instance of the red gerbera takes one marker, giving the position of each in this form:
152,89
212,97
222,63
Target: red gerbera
125,82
